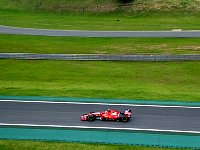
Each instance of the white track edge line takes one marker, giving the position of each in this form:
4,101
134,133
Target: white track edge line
108,128
108,104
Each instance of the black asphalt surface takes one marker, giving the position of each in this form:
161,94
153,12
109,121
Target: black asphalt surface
183,119
46,32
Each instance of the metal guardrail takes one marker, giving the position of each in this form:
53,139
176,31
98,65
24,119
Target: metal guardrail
100,57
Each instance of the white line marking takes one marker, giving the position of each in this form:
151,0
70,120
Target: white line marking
105,128
107,104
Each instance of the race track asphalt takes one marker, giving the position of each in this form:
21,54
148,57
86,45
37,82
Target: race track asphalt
81,33
68,114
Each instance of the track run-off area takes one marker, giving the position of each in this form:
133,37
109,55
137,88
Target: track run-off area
152,118
85,33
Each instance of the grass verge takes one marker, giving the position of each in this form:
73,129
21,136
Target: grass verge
39,145
99,79
98,22
78,45
101,15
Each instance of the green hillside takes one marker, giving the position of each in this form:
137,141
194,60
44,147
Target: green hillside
104,6
101,14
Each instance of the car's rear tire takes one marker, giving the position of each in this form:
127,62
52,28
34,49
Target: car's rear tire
124,119
90,118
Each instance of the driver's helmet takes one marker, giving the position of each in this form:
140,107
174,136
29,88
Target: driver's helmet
109,110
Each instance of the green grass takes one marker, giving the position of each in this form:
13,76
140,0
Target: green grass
100,79
39,145
78,45
100,22
140,15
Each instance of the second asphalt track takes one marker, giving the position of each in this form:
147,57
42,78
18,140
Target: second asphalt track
46,32
59,114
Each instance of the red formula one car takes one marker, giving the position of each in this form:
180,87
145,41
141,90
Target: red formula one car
109,114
